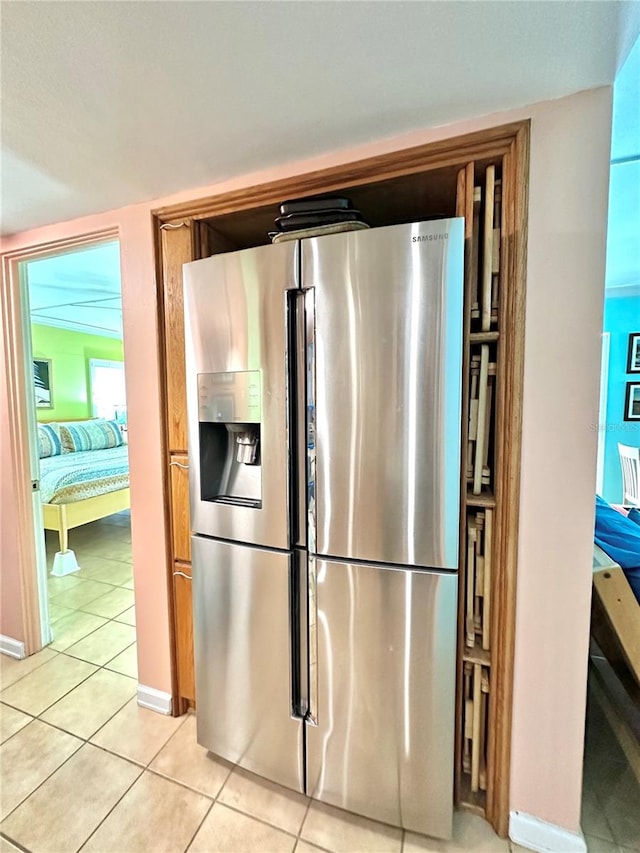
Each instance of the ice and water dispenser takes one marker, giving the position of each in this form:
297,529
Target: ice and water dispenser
229,414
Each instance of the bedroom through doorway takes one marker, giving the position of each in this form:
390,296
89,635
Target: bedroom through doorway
74,363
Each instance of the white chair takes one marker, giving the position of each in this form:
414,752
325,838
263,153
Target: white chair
630,464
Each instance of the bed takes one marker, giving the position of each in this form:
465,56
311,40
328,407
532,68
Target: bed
615,656
84,475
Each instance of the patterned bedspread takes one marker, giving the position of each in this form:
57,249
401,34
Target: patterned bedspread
85,474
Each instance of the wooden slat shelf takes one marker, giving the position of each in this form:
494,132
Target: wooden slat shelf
485,499
477,655
480,199
483,337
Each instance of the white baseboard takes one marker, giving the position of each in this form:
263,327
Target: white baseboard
12,648
155,700
537,834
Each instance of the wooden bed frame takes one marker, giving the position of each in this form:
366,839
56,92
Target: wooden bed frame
615,626
64,517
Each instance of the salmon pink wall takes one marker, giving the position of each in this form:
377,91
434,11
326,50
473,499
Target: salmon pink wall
10,586
565,284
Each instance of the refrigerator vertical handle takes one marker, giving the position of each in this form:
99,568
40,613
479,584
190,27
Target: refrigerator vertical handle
310,421
312,642
312,636
298,396
300,635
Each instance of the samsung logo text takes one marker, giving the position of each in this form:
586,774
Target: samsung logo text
422,238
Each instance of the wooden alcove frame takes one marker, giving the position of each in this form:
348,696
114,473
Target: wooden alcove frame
508,144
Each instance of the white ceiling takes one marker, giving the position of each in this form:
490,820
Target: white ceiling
111,103
78,290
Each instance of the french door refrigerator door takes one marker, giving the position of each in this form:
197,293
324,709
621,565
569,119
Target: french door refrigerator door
384,649
243,659
236,342
388,368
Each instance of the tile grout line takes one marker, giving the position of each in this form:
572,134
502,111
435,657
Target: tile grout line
106,663
55,651
112,809
15,843
84,742
304,819
107,619
199,826
214,800
71,689
112,587
44,710
46,779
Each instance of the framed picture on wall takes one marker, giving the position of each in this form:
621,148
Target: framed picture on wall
633,357
632,402
42,383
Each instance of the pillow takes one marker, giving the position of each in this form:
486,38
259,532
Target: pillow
90,435
49,440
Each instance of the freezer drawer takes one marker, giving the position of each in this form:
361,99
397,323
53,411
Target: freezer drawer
243,659
383,746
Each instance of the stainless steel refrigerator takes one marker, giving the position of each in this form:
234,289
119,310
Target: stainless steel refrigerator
323,389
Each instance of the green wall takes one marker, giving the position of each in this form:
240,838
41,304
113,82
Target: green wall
70,353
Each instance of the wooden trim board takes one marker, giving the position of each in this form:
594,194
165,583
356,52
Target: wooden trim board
175,245
513,260
492,142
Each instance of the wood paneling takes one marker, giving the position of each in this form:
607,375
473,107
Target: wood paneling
180,527
176,245
183,615
177,249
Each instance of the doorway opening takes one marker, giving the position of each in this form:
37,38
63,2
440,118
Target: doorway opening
74,362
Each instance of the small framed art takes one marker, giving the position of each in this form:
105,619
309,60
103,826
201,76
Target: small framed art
632,402
633,355
42,383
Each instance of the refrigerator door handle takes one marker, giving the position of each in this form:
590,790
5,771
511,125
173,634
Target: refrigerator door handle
297,416
300,635
312,642
310,420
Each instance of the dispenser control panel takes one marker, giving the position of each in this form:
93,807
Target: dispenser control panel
232,397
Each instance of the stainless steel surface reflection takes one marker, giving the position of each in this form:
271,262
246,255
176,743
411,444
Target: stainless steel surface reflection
243,659
388,364
235,320
334,363
386,645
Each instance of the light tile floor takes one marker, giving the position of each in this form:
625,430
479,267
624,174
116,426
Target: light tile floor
610,793
84,768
